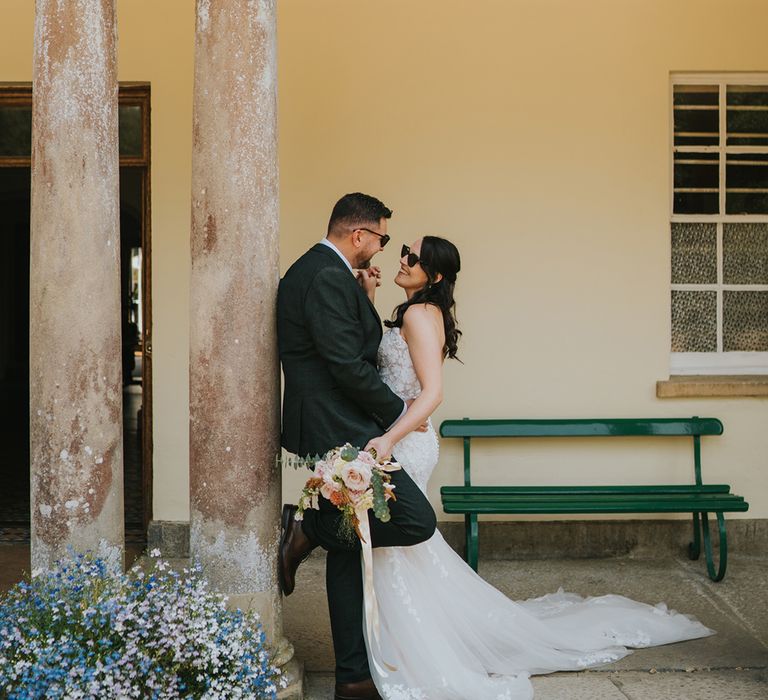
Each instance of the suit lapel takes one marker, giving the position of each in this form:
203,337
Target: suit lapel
333,256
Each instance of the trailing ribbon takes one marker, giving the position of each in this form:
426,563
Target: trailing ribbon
369,594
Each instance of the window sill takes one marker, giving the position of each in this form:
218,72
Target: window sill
719,385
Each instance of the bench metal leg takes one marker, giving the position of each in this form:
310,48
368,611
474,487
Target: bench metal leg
470,523
694,547
708,546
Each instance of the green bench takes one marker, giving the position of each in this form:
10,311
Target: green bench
699,499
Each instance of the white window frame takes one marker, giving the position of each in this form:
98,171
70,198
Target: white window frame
719,362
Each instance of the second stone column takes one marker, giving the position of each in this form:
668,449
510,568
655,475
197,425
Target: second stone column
235,484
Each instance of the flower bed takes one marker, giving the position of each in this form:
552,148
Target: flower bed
82,630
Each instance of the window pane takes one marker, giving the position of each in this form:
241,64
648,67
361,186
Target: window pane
745,321
696,115
700,121
694,253
745,253
747,126
694,321
129,120
747,115
696,95
747,95
696,173
746,170
15,131
746,182
696,203
746,202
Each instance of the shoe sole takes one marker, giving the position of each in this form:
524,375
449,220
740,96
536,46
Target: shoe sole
285,520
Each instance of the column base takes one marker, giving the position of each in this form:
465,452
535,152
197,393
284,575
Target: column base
293,673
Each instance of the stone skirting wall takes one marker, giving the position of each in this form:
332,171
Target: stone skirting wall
563,539
170,537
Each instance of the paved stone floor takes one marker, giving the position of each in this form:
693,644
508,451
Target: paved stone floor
731,665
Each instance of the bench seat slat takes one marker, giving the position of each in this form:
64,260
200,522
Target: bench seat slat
575,506
704,498
552,490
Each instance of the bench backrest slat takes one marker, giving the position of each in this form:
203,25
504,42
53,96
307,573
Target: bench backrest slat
693,427
617,427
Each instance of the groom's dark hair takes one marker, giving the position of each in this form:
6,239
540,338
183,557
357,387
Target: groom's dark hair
357,209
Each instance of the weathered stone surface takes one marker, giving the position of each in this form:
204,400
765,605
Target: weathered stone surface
234,376
695,386
75,365
171,538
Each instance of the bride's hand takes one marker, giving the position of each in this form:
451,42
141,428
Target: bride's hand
383,446
369,279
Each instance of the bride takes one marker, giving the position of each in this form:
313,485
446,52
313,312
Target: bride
446,634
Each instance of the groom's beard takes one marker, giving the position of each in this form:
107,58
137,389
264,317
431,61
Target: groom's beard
364,263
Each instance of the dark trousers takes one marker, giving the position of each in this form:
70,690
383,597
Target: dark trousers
413,521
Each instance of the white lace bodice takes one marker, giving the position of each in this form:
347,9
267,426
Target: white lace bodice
395,365
417,452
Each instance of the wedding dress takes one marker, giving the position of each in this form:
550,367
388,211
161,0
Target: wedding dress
446,634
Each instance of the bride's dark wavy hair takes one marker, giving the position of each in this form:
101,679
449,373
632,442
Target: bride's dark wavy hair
437,257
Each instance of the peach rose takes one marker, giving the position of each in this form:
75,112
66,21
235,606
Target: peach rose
356,476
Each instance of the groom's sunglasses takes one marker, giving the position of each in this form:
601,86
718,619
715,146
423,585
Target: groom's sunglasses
384,237
410,258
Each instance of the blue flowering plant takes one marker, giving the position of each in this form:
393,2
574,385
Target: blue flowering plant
82,630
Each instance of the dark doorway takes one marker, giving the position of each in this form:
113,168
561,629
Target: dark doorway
135,259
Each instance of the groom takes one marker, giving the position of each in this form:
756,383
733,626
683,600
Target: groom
329,334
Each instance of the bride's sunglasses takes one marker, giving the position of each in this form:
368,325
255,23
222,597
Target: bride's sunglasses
410,258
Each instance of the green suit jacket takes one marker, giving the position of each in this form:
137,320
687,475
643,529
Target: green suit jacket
328,334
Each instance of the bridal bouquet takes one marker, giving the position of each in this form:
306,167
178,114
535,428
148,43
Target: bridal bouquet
355,482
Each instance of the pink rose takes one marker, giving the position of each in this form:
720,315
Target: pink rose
356,476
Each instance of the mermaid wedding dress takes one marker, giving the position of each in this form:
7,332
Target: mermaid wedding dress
446,634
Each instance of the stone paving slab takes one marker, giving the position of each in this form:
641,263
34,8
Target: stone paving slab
735,607
626,685
716,685
729,607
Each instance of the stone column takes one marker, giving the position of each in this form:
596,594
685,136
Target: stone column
235,484
75,369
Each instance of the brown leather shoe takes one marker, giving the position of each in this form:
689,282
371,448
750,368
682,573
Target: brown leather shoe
295,547
359,690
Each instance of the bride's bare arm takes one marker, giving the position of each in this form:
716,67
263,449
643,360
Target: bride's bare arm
423,330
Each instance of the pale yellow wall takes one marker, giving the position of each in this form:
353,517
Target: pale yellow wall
157,41
535,135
